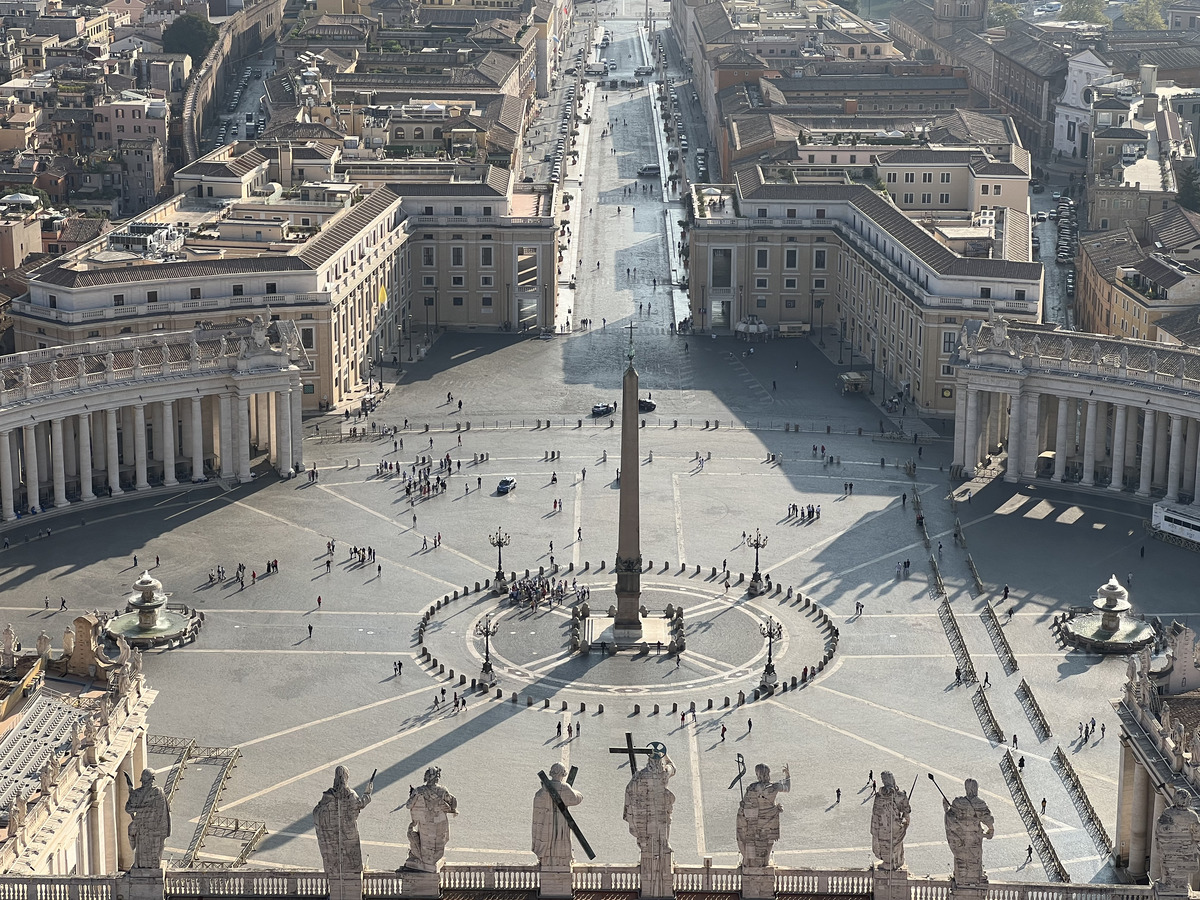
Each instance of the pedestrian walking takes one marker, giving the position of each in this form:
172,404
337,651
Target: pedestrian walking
1021,763
1043,806
47,601
1101,731
723,730
399,667
560,728
1014,742
62,603
986,680
957,675
318,601
839,795
1028,853
749,725
310,632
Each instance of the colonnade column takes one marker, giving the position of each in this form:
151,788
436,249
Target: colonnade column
1013,472
298,424
84,431
57,464
1161,431
1029,440
1060,440
243,438
31,467
1137,827
226,429
1118,448
1175,466
114,458
960,427
1089,445
281,443
1190,437
6,478
139,447
1196,484
168,442
197,438
971,438
1147,462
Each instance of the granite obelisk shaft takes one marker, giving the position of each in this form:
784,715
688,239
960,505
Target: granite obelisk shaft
629,548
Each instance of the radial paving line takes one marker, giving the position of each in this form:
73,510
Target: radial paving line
697,791
679,550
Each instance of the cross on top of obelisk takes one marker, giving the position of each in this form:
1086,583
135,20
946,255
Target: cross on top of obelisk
629,354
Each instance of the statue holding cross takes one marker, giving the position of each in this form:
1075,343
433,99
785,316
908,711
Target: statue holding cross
553,823
648,806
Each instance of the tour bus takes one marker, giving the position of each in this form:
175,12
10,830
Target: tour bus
1176,524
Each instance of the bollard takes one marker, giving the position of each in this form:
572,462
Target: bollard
655,710
674,708
526,573
564,706
473,684
539,423
674,423
705,424
462,679
586,565
741,698
741,577
637,709
456,595
571,567
477,587
725,705
467,590
583,707
468,428
442,669
793,681
709,703
546,704
599,708
426,427
756,694
357,462
528,701
643,423
514,696
451,673
346,464
499,693
698,568
714,572
579,423
692,708
716,423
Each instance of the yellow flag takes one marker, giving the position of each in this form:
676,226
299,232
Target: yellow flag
382,295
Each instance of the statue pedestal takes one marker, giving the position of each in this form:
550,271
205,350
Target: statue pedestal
555,882
420,885
657,876
144,884
348,886
976,891
758,884
891,884
754,587
653,631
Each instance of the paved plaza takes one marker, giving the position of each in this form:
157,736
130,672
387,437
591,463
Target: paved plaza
302,687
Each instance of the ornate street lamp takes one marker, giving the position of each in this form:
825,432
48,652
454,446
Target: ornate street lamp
500,540
487,631
821,329
772,631
757,542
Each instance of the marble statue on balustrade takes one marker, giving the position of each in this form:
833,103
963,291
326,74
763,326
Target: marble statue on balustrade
336,820
68,642
17,810
430,807
758,817
76,738
648,806
1177,844
551,833
968,822
43,646
890,817
8,640
151,821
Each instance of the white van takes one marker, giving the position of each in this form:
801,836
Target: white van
650,169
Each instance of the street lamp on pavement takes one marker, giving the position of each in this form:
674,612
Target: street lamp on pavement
772,631
500,540
841,338
757,542
821,329
487,631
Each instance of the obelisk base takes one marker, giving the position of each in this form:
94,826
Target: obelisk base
346,886
555,882
758,884
144,884
420,885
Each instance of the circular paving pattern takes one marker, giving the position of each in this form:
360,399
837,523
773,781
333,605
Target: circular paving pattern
725,646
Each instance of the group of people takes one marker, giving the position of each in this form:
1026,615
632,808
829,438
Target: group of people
538,589
804,513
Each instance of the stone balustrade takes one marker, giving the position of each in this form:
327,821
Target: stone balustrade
48,887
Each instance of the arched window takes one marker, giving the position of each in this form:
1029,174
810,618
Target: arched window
399,134
437,134
418,134
877,50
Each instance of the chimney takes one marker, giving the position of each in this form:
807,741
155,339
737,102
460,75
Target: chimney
850,106
1148,74
1149,106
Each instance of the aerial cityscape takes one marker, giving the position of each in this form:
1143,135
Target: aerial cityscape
491,449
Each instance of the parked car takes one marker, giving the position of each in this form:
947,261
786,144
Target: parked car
603,409
645,405
508,483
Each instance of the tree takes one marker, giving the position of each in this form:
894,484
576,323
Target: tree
1001,14
851,5
1091,11
1144,15
1189,189
190,34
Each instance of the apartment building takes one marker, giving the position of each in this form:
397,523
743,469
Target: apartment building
846,260
132,116
955,178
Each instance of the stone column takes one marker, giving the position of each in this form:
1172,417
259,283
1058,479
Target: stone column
57,465
1189,454
31,467
1137,828
1029,440
114,457
139,446
971,438
128,445
1160,804
282,441
1161,429
1131,435
1013,472
1147,455
298,423
226,435
1124,800
6,478
96,830
70,446
197,438
156,430
1118,448
243,436
124,845
1089,446
1175,466
1196,484
84,429
168,442
99,445
1060,440
960,427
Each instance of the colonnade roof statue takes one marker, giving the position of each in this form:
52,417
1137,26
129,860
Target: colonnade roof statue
151,824
336,819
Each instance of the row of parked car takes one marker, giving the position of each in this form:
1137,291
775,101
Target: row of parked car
564,134
1068,232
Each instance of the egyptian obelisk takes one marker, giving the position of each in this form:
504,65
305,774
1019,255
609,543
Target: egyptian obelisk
628,624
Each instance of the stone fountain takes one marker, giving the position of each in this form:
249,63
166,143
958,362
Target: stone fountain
1111,628
147,621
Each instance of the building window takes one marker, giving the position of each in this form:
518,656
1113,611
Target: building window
761,303
789,284
487,211
52,299
271,287
908,198
720,271
762,212
306,338
945,178
195,293
426,256
819,259
910,177
985,293
237,290
426,281
926,178
456,256
995,190
927,198
818,284
118,299
1020,295
983,189
457,301
949,341
1103,224
943,198
429,301
761,258
760,284
457,281
151,296
485,257
948,371
790,303
891,177
485,301
485,281
791,213
790,256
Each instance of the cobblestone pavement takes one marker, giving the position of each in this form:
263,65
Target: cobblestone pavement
299,705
